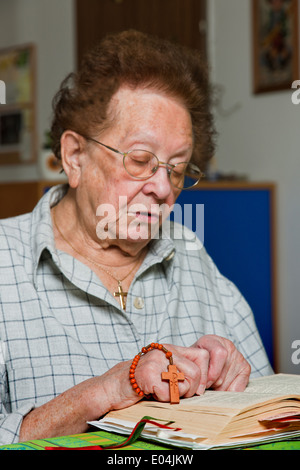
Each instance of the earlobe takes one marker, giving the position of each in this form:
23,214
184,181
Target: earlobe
71,149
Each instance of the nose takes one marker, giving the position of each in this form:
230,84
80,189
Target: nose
159,184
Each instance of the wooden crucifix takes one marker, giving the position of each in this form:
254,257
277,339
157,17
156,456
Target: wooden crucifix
173,376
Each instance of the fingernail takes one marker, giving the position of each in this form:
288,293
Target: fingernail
218,383
200,390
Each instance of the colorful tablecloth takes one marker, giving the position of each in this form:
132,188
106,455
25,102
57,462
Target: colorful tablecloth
102,438
82,440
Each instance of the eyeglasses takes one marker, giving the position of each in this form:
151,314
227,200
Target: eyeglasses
142,164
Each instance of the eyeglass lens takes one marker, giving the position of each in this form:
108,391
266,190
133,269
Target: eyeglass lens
142,165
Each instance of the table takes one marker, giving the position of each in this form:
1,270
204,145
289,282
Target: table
99,438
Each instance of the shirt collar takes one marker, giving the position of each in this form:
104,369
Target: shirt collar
42,236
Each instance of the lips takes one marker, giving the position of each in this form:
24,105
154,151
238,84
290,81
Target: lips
144,216
148,213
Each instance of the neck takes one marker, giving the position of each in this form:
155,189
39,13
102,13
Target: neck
73,235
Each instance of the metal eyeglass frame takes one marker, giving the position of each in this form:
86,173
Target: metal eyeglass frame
169,166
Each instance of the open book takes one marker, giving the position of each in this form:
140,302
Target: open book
269,409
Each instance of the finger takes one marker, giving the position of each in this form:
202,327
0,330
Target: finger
218,365
241,380
188,365
203,364
235,377
219,349
161,390
198,376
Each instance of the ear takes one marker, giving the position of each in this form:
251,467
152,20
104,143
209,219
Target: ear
72,145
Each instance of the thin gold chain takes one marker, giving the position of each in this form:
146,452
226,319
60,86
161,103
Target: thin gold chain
89,259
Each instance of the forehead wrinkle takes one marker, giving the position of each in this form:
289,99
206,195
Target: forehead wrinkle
128,121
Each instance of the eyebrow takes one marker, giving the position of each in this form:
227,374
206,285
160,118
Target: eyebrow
146,139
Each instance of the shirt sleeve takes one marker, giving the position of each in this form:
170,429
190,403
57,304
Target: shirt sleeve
10,424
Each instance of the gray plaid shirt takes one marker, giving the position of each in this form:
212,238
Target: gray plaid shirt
59,325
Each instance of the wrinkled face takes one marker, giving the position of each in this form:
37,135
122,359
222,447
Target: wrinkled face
119,207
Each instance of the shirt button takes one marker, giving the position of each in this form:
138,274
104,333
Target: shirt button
138,302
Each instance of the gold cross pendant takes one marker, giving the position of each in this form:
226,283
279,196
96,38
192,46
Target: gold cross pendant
122,295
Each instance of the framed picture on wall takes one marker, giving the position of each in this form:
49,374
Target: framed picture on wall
275,44
17,108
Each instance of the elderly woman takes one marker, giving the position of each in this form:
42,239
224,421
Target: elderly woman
87,279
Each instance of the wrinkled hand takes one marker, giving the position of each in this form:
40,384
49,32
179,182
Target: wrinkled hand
227,369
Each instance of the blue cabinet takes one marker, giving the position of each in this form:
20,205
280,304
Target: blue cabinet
239,234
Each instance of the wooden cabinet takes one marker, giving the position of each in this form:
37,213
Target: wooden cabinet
21,197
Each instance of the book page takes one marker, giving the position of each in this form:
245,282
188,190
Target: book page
280,384
225,400
259,390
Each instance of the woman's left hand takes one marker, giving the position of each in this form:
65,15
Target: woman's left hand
228,370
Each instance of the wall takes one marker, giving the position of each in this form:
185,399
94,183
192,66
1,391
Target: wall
50,25
260,137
